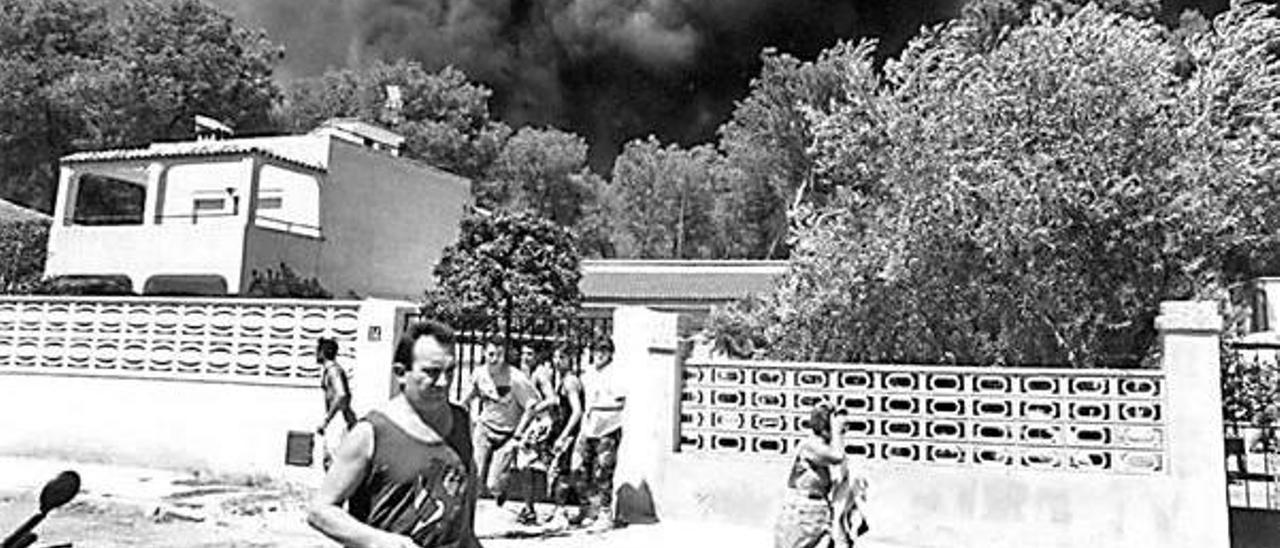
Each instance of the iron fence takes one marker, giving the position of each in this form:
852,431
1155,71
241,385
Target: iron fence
1253,466
579,335
1250,392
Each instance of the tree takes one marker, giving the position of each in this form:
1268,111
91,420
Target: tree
507,264
766,142
23,246
662,200
543,171
1034,203
174,60
42,44
78,75
987,21
444,118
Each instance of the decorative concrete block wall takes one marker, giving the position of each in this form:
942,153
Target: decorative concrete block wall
1087,421
957,456
199,383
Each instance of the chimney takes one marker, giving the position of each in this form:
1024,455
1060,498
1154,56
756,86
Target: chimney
209,129
394,105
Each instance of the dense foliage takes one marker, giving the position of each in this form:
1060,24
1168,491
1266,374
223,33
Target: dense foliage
22,244
542,171
663,201
1031,203
507,264
443,116
78,75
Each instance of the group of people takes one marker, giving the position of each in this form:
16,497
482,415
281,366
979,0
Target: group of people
542,416
409,472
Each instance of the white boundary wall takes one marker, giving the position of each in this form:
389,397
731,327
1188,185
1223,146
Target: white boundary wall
1057,458
212,384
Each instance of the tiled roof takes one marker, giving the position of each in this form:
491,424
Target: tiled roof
187,149
665,280
11,212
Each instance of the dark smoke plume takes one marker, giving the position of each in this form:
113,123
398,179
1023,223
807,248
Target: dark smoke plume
610,70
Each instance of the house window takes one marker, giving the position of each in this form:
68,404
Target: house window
102,200
1260,311
209,205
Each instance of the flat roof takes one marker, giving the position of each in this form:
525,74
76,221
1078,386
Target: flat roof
673,281
364,129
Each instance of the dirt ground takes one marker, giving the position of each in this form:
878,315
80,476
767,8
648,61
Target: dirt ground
94,523
270,521
146,507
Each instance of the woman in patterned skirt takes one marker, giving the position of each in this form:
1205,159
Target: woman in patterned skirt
806,518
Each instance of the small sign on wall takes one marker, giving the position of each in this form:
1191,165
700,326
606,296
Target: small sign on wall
375,333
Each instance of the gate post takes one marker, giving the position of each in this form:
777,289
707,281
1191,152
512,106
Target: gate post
1189,337
372,381
647,344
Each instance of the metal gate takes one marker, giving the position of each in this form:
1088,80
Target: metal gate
580,335
1251,410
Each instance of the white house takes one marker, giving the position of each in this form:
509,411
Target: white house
337,204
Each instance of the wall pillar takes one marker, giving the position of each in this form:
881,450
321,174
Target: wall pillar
372,381
646,352
64,206
153,211
248,204
1189,335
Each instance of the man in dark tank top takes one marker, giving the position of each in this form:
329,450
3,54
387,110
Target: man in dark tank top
406,470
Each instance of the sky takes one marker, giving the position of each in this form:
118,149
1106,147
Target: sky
609,70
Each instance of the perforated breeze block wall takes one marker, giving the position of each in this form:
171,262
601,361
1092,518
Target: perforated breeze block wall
200,383
957,456
1090,422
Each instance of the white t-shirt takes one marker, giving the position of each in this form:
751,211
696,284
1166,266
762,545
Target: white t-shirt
604,398
502,406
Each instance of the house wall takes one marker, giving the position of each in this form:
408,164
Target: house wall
386,221
206,179
299,193
141,251
171,246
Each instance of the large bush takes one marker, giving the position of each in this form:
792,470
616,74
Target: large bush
1030,203
22,255
507,264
